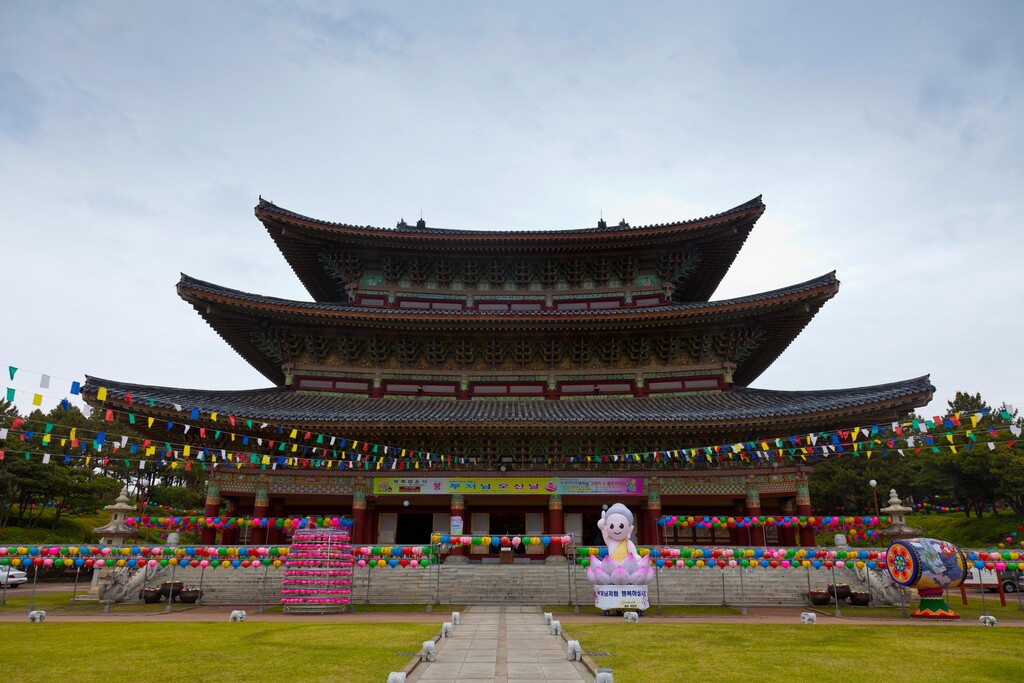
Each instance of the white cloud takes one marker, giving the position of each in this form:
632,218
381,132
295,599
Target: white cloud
886,150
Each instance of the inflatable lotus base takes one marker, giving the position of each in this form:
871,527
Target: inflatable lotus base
633,570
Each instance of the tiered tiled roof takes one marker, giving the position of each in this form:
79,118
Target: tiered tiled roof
717,238
783,312
741,406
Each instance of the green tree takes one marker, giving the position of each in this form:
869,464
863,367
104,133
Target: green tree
1008,466
975,484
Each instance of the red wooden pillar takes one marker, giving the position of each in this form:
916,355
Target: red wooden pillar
787,534
803,509
754,510
275,534
229,534
649,532
212,509
358,515
457,553
737,534
259,509
556,527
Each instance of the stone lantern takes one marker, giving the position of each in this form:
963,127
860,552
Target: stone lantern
897,512
116,531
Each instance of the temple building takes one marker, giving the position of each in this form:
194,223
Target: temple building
516,380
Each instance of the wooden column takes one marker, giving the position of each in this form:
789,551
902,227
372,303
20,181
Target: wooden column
457,553
275,534
212,509
259,509
359,515
787,534
754,510
229,535
803,509
556,527
737,534
652,512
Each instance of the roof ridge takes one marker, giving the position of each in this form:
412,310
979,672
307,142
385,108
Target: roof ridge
281,404
267,205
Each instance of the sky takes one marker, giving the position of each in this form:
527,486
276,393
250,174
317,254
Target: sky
886,138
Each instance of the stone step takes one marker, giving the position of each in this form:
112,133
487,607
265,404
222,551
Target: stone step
520,584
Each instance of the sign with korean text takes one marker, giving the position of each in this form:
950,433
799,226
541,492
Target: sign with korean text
403,486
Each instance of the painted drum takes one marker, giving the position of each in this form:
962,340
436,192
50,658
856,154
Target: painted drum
925,563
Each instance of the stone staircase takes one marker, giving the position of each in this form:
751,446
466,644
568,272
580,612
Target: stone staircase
533,584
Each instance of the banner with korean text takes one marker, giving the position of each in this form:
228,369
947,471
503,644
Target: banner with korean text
402,486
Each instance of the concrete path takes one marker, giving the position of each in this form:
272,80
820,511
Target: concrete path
501,644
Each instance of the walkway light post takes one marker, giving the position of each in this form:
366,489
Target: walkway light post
874,493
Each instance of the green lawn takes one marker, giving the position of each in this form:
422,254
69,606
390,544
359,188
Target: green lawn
60,603
72,528
420,608
211,652
660,652
967,532
970,611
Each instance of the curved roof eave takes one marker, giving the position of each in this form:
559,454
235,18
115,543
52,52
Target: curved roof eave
783,313
300,239
740,406
197,291
268,209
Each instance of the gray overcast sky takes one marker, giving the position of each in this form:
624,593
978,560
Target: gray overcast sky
885,137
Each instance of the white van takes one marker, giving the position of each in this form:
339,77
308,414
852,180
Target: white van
989,579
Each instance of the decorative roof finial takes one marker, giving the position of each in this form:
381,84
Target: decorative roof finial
600,223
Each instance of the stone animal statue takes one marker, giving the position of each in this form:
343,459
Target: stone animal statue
446,629
574,652
429,651
547,618
396,677
121,584
456,618
631,617
37,615
237,615
808,618
604,676
987,620
555,627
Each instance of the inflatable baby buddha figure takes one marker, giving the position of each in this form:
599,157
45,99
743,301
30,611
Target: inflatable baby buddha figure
616,525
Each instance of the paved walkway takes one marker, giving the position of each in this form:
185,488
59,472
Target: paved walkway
501,644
